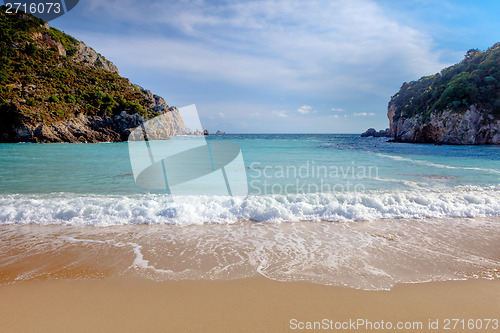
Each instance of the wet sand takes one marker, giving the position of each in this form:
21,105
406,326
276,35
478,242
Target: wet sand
133,279
134,304
370,255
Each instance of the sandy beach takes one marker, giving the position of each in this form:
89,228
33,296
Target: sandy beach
207,279
248,305
252,166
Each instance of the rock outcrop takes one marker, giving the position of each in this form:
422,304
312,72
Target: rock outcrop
380,134
50,42
87,56
472,127
459,105
197,131
92,129
54,88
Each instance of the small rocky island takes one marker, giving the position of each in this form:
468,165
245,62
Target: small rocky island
459,105
54,88
380,134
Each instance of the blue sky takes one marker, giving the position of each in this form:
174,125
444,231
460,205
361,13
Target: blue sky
282,66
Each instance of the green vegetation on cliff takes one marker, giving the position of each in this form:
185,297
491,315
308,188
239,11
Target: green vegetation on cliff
44,78
473,81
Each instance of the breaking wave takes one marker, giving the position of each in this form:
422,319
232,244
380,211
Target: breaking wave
106,210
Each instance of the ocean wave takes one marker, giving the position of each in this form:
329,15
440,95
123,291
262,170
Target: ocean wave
107,210
436,165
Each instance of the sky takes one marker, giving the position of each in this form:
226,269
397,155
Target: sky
282,66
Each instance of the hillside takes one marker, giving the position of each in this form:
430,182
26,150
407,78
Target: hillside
54,88
459,105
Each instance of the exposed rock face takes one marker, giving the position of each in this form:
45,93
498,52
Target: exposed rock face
197,131
67,92
472,127
46,39
89,129
87,56
84,54
391,112
380,134
458,105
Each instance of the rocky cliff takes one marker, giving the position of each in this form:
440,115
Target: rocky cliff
91,129
459,105
472,127
54,88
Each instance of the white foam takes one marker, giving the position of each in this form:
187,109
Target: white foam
139,261
105,210
372,255
408,183
436,165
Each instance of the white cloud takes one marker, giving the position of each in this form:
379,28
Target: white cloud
363,114
335,116
304,109
276,54
315,47
221,115
281,114
190,59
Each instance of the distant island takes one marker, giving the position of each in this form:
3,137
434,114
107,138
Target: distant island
380,134
459,105
54,88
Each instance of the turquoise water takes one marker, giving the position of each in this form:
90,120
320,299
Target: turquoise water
386,213
290,177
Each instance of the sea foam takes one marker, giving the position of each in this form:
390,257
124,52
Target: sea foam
106,210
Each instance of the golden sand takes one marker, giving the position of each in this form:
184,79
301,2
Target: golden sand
49,283
248,305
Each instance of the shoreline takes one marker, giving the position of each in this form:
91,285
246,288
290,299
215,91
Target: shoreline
231,278
246,305
371,255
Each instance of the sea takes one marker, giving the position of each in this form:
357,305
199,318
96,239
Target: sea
329,209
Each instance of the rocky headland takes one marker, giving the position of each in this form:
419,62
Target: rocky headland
54,88
459,105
